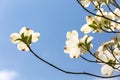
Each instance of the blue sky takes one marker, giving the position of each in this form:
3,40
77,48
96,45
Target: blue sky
52,18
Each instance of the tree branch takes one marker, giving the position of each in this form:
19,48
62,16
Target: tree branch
68,72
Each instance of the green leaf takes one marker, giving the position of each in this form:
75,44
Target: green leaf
86,40
93,26
88,44
18,39
111,62
118,46
80,44
23,37
30,39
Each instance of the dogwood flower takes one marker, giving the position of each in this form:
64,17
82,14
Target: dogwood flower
75,46
91,25
71,43
100,24
24,38
105,56
108,51
109,54
107,70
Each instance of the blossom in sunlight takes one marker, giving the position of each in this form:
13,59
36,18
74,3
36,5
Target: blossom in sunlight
100,24
75,46
86,41
85,3
92,25
109,53
97,3
107,70
24,38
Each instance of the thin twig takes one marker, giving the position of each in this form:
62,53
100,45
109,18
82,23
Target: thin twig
112,11
89,60
108,31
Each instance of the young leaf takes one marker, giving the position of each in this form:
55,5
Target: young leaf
30,39
93,26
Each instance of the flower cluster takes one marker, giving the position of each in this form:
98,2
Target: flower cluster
100,24
75,46
109,53
24,38
97,3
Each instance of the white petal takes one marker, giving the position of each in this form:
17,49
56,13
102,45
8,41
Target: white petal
22,47
111,15
86,29
72,42
72,34
35,37
89,19
26,31
72,38
89,38
67,49
23,29
117,11
101,48
107,70
102,56
105,56
75,53
116,53
85,3
14,37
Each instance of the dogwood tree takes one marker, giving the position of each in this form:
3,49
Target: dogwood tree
105,17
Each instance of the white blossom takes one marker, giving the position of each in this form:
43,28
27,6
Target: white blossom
25,37
74,46
107,70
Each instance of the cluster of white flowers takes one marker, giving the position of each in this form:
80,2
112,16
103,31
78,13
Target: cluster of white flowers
97,3
99,24
109,52
75,46
24,38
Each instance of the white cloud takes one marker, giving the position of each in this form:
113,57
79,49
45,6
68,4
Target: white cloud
7,75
